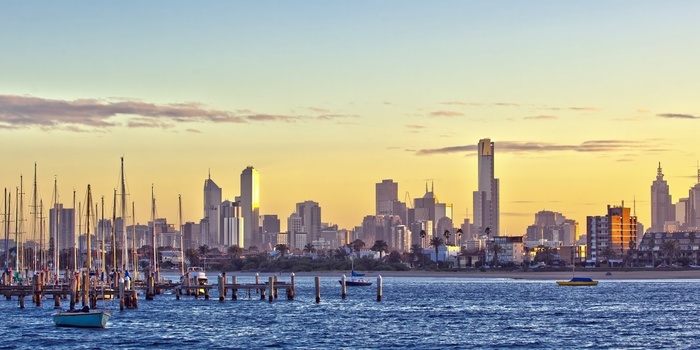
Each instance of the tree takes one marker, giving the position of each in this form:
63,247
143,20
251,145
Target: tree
692,237
670,248
193,256
381,247
422,236
282,248
416,251
394,257
436,242
234,251
447,236
496,249
204,249
309,248
459,236
608,253
544,254
357,245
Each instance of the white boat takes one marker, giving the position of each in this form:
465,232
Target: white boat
195,276
84,318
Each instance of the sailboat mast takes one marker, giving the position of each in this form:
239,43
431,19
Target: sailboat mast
34,222
154,264
78,258
20,241
17,231
115,265
133,242
7,224
125,260
182,247
75,256
56,216
41,235
102,238
87,228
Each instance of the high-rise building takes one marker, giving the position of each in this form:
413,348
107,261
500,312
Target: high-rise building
486,198
387,192
310,213
209,225
270,228
294,226
65,226
693,208
231,224
617,230
662,210
250,205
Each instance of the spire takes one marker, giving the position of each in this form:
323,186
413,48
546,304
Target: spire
659,173
426,187
209,172
432,185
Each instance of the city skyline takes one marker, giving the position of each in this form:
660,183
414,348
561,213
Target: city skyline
326,103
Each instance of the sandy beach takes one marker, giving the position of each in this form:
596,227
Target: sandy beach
596,274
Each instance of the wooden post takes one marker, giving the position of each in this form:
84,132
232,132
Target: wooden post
135,299
276,290
56,301
271,285
223,274
121,294
317,281
290,289
39,288
21,301
234,291
379,288
73,292
86,289
222,287
257,281
196,290
344,288
178,291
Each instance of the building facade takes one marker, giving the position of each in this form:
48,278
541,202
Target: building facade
212,200
250,206
486,199
617,231
662,210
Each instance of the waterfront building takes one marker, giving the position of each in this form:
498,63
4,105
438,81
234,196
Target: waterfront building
209,224
662,210
617,230
651,252
513,248
553,227
486,198
250,206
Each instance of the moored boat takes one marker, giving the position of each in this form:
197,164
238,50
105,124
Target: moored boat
356,282
578,281
84,318
194,276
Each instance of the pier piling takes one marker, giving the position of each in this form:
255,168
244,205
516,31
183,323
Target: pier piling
344,289
271,285
379,288
317,282
222,287
234,292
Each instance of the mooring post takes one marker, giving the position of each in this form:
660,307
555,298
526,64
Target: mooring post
121,294
222,287
21,301
317,282
223,274
271,285
234,291
379,288
196,285
344,289
290,289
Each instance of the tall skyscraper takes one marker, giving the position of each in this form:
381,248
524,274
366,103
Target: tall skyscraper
615,230
64,228
210,223
693,208
662,209
310,213
231,224
486,198
387,192
250,205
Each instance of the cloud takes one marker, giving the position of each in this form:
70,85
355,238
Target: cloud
539,147
460,103
17,112
506,104
195,131
516,214
414,126
541,117
677,116
446,114
318,109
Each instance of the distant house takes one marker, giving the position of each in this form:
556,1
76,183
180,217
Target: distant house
171,256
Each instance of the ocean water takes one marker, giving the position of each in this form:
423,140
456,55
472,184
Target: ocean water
425,313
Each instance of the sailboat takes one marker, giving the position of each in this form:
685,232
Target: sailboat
356,278
577,281
83,318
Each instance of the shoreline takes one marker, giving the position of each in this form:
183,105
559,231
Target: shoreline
602,274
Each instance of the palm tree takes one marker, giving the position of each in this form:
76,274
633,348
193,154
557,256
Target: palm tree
526,261
204,249
309,248
496,248
282,248
692,237
447,236
488,233
436,242
416,250
459,236
381,247
357,245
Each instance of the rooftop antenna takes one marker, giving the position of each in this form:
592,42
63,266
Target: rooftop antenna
426,187
634,203
432,185
699,172
209,173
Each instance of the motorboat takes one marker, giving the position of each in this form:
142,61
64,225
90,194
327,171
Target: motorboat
195,276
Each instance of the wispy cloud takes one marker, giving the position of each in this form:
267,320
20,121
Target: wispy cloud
446,114
195,131
593,146
540,117
677,116
415,127
460,103
18,112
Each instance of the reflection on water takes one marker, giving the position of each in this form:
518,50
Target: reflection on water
415,313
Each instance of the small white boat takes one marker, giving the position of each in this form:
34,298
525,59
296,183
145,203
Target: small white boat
195,276
84,318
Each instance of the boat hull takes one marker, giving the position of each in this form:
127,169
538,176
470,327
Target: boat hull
91,319
574,283
356,283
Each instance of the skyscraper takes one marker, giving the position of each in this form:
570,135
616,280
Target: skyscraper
617,230
310,213
662,209
693,208
387,193
210,223
486,198
250,206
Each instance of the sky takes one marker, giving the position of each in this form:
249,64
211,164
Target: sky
327,98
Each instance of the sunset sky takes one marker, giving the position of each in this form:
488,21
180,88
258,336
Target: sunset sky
327,98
